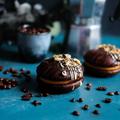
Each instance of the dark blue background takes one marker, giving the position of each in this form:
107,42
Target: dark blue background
107,26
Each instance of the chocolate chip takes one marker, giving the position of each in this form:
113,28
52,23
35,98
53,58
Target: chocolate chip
30,94
96,112
73,100
22,69
117,93
5,72
85,107
89,84
7,84
1,85
36,103
76,113
13,71
98,105
45,94
26,97
107,100
1,68
101,88
110,93
80,100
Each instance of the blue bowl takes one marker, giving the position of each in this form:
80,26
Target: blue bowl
32,46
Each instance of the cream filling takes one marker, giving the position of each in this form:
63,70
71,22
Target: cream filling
55,82
103,68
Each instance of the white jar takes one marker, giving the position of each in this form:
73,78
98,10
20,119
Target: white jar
83,37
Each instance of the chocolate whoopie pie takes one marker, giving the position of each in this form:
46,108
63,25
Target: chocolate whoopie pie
60,74
103,61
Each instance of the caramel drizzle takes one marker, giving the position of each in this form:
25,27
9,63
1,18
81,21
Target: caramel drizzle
72,65
73,70
115,57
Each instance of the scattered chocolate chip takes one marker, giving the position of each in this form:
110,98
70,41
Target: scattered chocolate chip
80,100
117,93
110,93
45,94
13,71
85,107
96,112
107,100
1,68
1,85
5,72
101,88
22,69
89,84
76,113
30,94
73,100
36,103
7,83
26,97
98,105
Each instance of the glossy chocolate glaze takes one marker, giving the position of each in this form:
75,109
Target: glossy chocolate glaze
104,56
60,68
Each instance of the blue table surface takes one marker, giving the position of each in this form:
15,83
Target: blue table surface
58,107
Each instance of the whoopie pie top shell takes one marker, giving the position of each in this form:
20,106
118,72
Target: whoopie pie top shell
103,56
60,68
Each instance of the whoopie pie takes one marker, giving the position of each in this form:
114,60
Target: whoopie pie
103,61
60,74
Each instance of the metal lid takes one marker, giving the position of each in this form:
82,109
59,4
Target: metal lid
86,20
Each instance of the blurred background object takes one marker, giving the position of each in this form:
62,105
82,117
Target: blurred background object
74,24
110,28
14,13
9,9
85,28
33,42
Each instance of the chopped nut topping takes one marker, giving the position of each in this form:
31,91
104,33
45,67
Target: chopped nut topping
110,48
67,59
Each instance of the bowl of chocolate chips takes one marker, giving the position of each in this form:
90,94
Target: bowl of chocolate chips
33,42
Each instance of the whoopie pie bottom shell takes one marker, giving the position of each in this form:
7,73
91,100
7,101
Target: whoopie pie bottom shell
98,72
59,88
